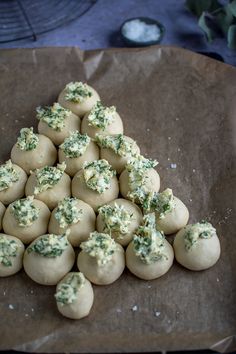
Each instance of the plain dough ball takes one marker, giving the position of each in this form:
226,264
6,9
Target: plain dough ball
202,255
72,123
174,220
16,190
149,271
2,212
80,109
80,231
74,164
135,222
48,270
152,182
93,198
105,274
28,233
116,127
53,195
44,154
83,303
116,161
5,271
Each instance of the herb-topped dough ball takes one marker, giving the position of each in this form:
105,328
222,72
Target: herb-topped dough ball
2,212
197,246
48,259
101,260
11,254
74,296
74,215
102,120
33,150
57,122
120,219
78,97
75,150
96,184
117,150
149,255
26,219
139,178
49,184
12,182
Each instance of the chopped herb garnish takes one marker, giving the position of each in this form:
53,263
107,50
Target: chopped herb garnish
67,212
8,175
75,145
8,249
24,211
118,143
77,92
68,289
101,116
50,245
47,177
53,116
197,231
27,140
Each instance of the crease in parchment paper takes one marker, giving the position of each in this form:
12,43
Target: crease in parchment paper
226,345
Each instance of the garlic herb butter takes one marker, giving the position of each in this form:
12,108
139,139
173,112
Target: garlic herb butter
101,116
67,212
24,211
8,175
8,249
48,176
200,230
117,143
75,145
53,116
68,289
27,140
50,245
77,92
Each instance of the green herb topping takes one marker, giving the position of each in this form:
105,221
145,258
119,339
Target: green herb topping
77,92
67,212
53,116
118,143
202,229
50,245
101,246
75,145
8,175
27,140
8,249
68,289
24,211
101,116
98,175
47,177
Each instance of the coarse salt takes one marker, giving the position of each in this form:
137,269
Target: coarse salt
139,31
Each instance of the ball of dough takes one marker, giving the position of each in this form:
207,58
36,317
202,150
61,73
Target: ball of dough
151,184
48,270
17,189
80,190
136,219
115,160
72,123
149,271
79,231
53,195
175,219
11,255
2,212
204,253
44,154
74,164
80,109
116,127
27,233
83,299
102,274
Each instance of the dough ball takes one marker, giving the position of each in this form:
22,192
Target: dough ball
193,250
2,212
149,271
11,254
27,233
44,154
80,230
74,297
120,220
175,219
16,189
80,109
47,261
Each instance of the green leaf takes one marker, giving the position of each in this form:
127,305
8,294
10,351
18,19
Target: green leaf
197,7
232,7
231,37
209,30
224,18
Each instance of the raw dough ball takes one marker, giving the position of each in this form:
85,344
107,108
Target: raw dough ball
47,262
2,212
44,154
116,127
149,271
80,109
17,189
130,211
80,230
175,219
11,254
27,233
193,250
80,303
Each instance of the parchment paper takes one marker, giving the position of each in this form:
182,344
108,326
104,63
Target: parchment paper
180,107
